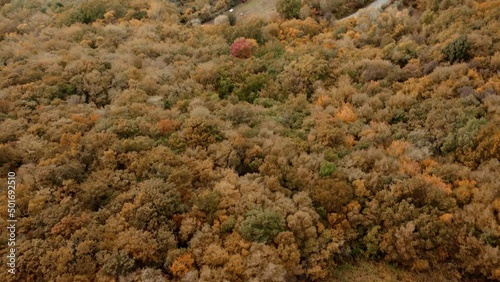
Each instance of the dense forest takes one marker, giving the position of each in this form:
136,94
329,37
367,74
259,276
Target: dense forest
148,147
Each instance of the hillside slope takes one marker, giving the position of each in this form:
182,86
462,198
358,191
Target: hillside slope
146,149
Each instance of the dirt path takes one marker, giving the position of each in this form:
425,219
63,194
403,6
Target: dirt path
262,8
374,5
265,8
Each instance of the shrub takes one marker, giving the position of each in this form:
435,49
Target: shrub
118,263
288,8
376,70
200,132
331,194
228,225
326,169
242,47
208,202
224,85
253,84
93,10
167,126
252,29
261,225
89,12
232,18
457,50
182,265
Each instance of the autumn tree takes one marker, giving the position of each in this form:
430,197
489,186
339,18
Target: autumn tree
242,47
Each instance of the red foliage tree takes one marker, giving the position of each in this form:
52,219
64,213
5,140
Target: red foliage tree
242,47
